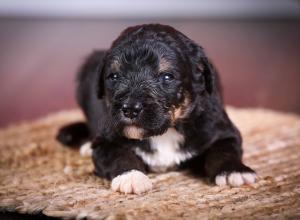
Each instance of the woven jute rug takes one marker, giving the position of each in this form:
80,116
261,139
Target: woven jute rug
37,174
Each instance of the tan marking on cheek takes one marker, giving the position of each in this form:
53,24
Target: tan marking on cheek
181,111
177,113
164,65
133,132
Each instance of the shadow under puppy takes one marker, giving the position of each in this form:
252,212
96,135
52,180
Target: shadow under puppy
153,103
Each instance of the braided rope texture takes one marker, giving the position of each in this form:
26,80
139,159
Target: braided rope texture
37,174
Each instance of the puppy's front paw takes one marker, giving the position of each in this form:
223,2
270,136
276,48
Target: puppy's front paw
86,150
235,178
133,181
235,174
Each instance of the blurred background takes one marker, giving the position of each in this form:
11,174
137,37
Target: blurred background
254,44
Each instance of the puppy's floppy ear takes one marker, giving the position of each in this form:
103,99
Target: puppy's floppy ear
206,73
91,72
203,73
100,76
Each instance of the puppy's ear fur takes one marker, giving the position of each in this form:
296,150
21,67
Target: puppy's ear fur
92,70
100,82
203,73
205,70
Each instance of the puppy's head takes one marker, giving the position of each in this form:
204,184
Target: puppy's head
150,79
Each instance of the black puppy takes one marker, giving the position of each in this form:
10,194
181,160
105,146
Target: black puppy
153,103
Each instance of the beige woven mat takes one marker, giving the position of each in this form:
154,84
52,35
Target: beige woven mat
38,174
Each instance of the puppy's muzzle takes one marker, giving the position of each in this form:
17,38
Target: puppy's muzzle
132,110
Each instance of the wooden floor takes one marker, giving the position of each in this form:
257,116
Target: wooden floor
259,61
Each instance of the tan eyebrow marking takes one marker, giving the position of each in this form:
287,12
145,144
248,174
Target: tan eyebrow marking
164,65
115,66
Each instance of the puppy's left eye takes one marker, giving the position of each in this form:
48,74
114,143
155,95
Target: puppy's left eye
167,77
113,76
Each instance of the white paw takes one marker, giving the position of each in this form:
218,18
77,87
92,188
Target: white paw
133,181
235,179
86,150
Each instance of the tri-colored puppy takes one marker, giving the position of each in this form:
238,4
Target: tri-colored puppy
153,103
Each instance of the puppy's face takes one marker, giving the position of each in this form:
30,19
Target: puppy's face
150,78
145,90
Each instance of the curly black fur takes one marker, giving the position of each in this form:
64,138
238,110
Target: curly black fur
164,80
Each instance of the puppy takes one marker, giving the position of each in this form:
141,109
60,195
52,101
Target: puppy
153,103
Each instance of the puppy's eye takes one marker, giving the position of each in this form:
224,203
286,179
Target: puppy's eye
113,76
167,77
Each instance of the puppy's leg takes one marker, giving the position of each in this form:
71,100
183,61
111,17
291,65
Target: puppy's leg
224,166
119,163
74,134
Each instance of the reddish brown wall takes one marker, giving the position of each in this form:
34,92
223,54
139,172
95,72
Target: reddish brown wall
259,61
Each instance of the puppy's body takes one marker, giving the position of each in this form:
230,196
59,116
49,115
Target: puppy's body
153,103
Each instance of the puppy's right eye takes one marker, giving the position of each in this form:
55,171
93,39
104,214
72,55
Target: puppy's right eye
167,77
113,76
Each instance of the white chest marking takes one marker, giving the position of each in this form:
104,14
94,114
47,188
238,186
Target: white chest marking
166,151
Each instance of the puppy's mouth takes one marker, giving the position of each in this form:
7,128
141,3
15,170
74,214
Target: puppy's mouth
133,132
131,128
136,130
151,122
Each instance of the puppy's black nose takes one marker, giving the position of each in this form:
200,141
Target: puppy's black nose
132,110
